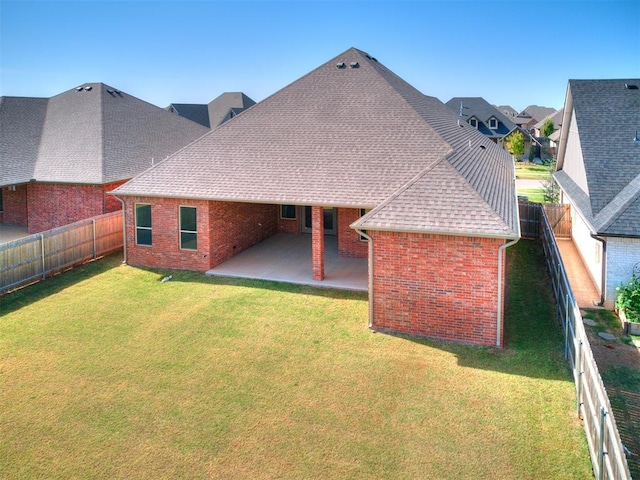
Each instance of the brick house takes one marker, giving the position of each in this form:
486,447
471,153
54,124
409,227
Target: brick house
350,150
60,156
598,171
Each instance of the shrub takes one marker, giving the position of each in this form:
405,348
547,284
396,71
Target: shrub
629,299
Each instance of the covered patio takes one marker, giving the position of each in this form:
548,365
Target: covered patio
287,258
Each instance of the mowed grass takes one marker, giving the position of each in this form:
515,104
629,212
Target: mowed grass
106,372
531,170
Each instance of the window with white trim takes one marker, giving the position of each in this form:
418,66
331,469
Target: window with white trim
288,212
188,228
493,123
143,224
473,122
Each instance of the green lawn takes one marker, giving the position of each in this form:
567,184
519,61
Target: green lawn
531,170
108,373
533,194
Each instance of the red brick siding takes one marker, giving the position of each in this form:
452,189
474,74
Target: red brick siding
289,225
436,286
52,205
14,205
349,243
234,227
165,250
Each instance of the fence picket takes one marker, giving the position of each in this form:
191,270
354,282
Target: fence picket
28,259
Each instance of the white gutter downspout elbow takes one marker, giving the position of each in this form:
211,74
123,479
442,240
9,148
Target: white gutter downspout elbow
501,254
370,261
124,230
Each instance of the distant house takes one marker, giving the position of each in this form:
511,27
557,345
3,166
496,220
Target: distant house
216,112
59,156
532,115
483,116
598,171
507,110
555,117
353,151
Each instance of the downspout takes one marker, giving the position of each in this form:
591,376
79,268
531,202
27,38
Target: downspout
124,231
501,251
370,261
603,272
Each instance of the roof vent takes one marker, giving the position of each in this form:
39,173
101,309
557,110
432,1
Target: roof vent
482,147
88,88
110,91
630,86
78,89
341,65
354,65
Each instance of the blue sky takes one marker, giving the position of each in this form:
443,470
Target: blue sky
509,52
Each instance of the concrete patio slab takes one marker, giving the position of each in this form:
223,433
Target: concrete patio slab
9,233
287,258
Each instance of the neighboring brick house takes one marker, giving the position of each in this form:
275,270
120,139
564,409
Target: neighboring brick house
531,115
60,156
216,112
598,171
350,149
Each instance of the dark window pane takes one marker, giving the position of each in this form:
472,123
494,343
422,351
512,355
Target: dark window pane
188,241
1,200
143,215
307,217
188,219
288,211
328,218
143,236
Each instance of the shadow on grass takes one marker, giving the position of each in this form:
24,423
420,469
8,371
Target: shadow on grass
34,292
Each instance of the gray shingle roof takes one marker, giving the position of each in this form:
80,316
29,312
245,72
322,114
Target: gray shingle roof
195,112
556,116
216,112
537,112
345,136
94,134
607,116
483,111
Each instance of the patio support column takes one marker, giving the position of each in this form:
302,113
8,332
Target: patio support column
317,242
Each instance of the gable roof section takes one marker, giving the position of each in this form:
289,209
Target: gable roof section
195,112
350,133
555,116
479,108
537,113
91,135
606,115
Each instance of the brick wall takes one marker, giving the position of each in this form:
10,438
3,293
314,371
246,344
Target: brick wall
436,286
349,243
224,230
622,255
238,226
165,250
289,225
14,206
52,205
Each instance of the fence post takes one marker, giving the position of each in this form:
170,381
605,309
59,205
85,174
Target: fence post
579,377
566,326
93,221
44,265
603,414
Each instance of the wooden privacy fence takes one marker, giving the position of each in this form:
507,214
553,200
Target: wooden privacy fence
35,257
558,215
592,402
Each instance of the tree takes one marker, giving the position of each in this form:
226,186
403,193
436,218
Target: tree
550,189
515,143
547,128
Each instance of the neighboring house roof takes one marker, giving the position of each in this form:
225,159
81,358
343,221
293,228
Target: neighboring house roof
537,112
603,115
523,119
216,112
555,136
483,111
556,117
91,134
193,111
348,134
507,110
